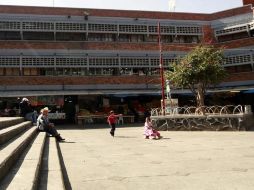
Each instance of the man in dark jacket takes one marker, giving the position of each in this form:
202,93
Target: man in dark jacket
27,111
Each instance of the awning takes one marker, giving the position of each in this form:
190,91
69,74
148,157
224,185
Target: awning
117,92
77,92
249,91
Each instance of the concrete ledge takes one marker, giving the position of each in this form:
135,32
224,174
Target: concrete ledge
10,132
208,122
55,180
11,153
30,167
9,121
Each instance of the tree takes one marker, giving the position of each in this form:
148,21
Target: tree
198,70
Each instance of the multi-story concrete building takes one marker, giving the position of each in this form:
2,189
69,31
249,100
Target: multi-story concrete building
87,53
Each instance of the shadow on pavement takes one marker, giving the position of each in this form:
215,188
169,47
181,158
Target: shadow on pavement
95,126
124,137
67,142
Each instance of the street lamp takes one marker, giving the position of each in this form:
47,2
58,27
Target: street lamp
161,70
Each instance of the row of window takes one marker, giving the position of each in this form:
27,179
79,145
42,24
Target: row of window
97,37
47,36
94,27
236,36
235,32
78,71
238,59
239,68
71,61
231,30
103,37
100,71
27,61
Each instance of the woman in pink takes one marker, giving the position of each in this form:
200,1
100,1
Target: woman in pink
112,119
150,132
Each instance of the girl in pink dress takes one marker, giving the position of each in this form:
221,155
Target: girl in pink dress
150,132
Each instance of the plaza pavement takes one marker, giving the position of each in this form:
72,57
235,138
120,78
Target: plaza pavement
180,161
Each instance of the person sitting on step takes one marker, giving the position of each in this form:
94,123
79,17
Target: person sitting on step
43,124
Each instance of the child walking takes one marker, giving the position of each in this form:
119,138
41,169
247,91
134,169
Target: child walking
150,132
112,119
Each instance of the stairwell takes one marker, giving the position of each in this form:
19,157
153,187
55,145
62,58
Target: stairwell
28,158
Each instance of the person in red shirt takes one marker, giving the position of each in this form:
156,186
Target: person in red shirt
112,119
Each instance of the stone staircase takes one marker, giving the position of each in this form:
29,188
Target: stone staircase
28,159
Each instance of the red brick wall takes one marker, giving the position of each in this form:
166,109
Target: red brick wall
93,46
231,12
101,12
47,80
237,43
123,46
247,2
208,37
122,13
240,77
125,80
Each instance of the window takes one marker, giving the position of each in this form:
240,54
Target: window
29,72
11,61
71,62
95,71
8,35
12,72
68,26
39,26
38,36
188,30
33,61
126,71
124,38
240,59
64,36
9,25
155,71
132,28
152,38
231,30
102,27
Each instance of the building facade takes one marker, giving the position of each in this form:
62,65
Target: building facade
48,51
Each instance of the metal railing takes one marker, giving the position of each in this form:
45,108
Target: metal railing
227,117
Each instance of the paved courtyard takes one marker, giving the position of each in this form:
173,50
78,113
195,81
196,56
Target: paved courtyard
180,161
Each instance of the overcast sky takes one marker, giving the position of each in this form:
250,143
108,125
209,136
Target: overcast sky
198,6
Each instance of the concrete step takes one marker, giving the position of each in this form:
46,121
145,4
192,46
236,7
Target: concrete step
25,174
51,176
11,151
9,121
10,132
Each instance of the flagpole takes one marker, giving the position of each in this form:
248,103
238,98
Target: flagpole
161,70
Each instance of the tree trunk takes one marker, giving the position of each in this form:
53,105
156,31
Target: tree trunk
200,99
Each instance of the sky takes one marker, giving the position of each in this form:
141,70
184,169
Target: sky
196,6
